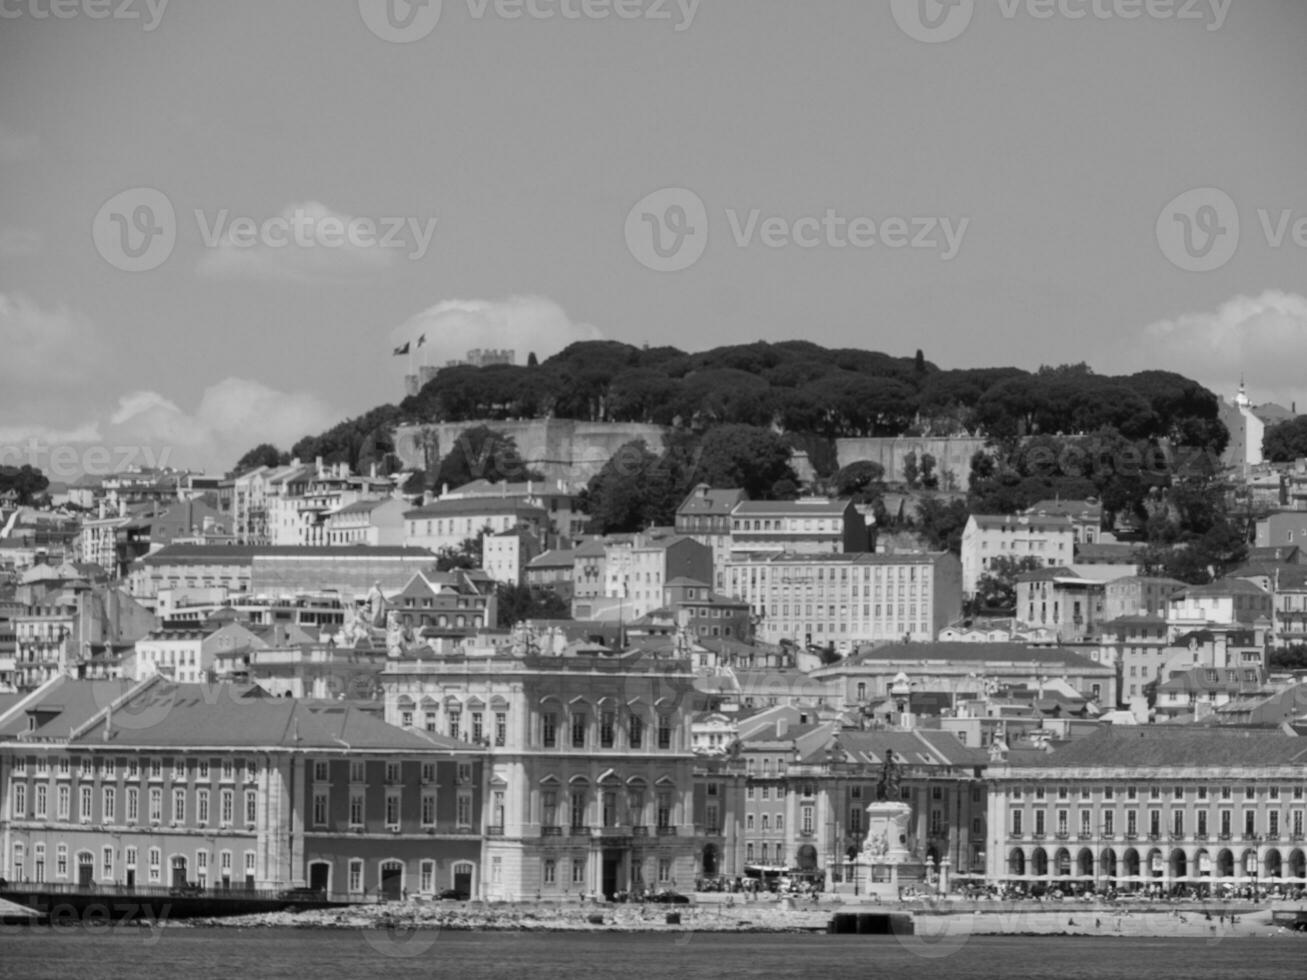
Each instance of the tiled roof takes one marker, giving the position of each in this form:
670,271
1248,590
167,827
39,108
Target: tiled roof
236,554
1146,745
555,558
61,705
1221,587
199,715
807,506
704,500
1054,522
1107,551
473,507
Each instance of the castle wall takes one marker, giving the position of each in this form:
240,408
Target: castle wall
561,449
952,455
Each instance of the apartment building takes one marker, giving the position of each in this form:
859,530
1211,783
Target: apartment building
1049,539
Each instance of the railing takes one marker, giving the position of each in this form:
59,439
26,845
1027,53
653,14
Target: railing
191,889
1225,836
551,831
579,830
495,831
639,830
666,831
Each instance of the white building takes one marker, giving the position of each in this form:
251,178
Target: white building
1050,539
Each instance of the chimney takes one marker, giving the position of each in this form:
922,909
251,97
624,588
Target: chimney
782,727
318,464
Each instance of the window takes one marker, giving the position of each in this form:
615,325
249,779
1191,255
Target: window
320,809
357,772
156,768
61,861
42,792
1017,816
455,723
251,806
392,809
156,864
202,806
228,804
1109,823
549,808
427,876
61,811
20,800
178,805
84,810
320,771
156,805
607,721
664,813
428,772
664,732
478,732
550,874
109,804
636,734
106,863
464,809
549,730
356,809
133,804
356,876
578,871
664,870
392,772
1040,817
501,728
202,770
578,730
428,809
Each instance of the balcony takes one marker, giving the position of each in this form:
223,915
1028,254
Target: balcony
1154,837
1085,835
1062,835
639,830
1200,836
579,830
495,831
551,831
1038,836
1131,835
666,831
1224,836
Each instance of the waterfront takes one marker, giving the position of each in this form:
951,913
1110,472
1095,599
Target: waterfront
144,954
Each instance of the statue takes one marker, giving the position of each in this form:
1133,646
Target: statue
878,846
395,636
376,604
891,774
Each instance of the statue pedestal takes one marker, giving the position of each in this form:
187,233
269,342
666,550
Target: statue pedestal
885,862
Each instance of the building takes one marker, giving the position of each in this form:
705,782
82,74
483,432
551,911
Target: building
1086,518
1060,600
1225,602
1287,585
299,512
590,776
706,614
1137,646
1247,431
553,570
705,516
448,523
1138,595
272,571
1285,529
506,555
963,670
377,523
565,518
1151,806
810,525
1050,540
220,787
842,600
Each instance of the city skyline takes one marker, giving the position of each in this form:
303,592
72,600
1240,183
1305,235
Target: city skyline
1106,188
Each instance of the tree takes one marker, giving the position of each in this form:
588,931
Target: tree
26,480
264,454
863,481
631,492
516,603
929,479
942,523
531,360
467,555
744,456
1287,441
911,471
483,453
997,588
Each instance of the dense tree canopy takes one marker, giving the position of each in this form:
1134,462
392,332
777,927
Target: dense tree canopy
264,454
26,480
1287,441
482,453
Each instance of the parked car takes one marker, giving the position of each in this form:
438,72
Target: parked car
669,898
455,894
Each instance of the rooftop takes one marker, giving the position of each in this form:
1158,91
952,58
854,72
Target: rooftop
1147,746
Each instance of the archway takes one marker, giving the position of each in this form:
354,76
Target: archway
1062,863
1179,864
392,880
1107,863
710,860
1224,863
1085,863
932,856
1016,862
1273,864
1131,863
1039,861
1297,864
1154,865
806,858
1248,864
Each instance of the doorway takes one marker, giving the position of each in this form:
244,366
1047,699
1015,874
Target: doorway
320,876
463,879
612,871
85,869
392,881
179,872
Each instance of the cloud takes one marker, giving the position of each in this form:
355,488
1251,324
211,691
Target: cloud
16,146
1262,339
305,243
45,355
522,324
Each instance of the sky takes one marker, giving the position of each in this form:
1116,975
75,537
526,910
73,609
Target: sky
219,220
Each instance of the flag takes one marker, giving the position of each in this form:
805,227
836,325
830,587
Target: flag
402,350
422,340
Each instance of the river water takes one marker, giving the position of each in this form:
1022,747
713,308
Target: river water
82,953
